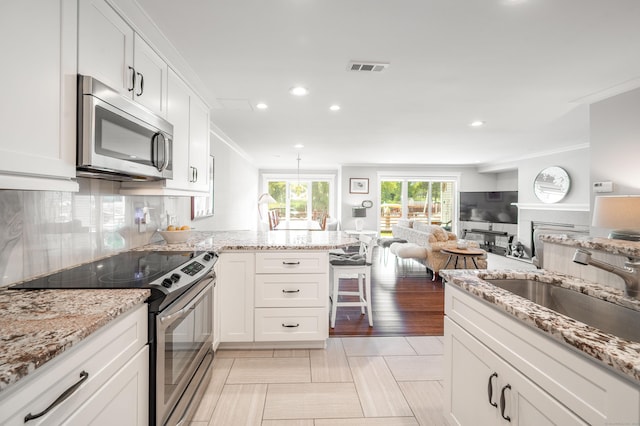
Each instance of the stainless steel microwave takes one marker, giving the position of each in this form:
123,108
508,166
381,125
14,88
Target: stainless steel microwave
119,139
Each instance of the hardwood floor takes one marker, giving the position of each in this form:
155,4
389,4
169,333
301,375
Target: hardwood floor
402,306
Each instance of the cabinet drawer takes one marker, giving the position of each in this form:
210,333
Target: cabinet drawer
291,290
101,355
291,263
290,324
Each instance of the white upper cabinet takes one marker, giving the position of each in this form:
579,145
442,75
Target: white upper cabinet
37,107
190,119
110,51
151,77
198,145
178,115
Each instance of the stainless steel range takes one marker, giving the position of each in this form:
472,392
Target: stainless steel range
180,319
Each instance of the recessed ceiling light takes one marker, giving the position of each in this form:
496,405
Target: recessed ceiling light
262,105
298,146
299,91
477,123
334,107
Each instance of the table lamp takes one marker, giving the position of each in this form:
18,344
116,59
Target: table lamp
265,198
620,213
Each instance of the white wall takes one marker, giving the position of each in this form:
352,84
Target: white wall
573,209
235,190
468,178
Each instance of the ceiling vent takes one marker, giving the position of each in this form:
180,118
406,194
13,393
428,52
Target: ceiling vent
367,66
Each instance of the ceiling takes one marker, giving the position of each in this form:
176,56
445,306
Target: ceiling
527,68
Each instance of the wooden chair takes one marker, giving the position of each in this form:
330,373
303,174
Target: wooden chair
273,219
323,222
350,267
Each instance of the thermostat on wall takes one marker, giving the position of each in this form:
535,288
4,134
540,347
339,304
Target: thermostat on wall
603,186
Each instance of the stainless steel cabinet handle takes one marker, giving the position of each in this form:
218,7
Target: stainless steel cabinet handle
490,389
64,395
502,403
133,79
141,85
291,291
290,263
290,325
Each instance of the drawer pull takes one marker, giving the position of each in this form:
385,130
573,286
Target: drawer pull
502,403
490,389
290,263
291,291
290,325
64,395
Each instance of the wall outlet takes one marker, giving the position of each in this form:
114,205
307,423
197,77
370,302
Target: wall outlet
603,186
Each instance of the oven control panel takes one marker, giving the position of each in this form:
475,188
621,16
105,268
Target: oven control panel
188,273
193,268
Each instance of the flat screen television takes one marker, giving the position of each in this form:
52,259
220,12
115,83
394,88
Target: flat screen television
489,206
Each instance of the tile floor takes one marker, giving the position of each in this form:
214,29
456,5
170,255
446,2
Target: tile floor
377,381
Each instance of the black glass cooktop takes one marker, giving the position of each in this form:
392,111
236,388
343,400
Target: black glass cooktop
134,269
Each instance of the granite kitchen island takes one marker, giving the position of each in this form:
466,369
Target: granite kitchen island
272,286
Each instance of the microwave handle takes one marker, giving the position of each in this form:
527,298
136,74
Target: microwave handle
154,151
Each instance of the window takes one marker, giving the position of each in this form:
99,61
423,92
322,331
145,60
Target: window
423,199
307,198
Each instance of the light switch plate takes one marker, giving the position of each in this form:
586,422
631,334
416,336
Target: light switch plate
603,186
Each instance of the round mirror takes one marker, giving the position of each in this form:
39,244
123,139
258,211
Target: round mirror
551,184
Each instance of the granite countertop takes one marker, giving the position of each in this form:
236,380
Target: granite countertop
38,325
259,240
620,354
621,247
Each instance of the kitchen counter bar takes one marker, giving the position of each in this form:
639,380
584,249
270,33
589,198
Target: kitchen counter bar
619,354
260,240
38,325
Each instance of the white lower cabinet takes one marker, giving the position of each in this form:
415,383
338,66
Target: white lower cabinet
485,390
122,400
274,296
235,287
106,376
499,371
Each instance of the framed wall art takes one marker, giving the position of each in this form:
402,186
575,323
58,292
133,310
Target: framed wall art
359,185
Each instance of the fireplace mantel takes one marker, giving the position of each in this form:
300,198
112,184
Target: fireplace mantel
582,207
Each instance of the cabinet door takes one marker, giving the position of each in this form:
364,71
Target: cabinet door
236,291
529,405
482,388
469,379
123,400
178,115
151,78
216,311
38,44
199,145
105,46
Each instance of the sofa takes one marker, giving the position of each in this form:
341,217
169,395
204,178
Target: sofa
433,238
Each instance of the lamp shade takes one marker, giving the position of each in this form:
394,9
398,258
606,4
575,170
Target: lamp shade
359,212
620,213
266,198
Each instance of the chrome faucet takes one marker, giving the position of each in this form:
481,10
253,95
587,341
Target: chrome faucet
630,273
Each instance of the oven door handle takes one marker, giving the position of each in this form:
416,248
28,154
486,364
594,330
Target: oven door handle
177,315
184,311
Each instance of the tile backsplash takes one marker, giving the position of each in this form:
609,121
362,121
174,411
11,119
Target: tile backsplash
44,231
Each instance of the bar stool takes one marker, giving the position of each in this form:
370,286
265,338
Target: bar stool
350,266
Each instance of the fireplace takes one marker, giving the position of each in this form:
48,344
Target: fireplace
538,228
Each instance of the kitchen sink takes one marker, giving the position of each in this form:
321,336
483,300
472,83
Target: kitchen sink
608,317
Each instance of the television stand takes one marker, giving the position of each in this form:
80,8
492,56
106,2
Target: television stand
489,239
